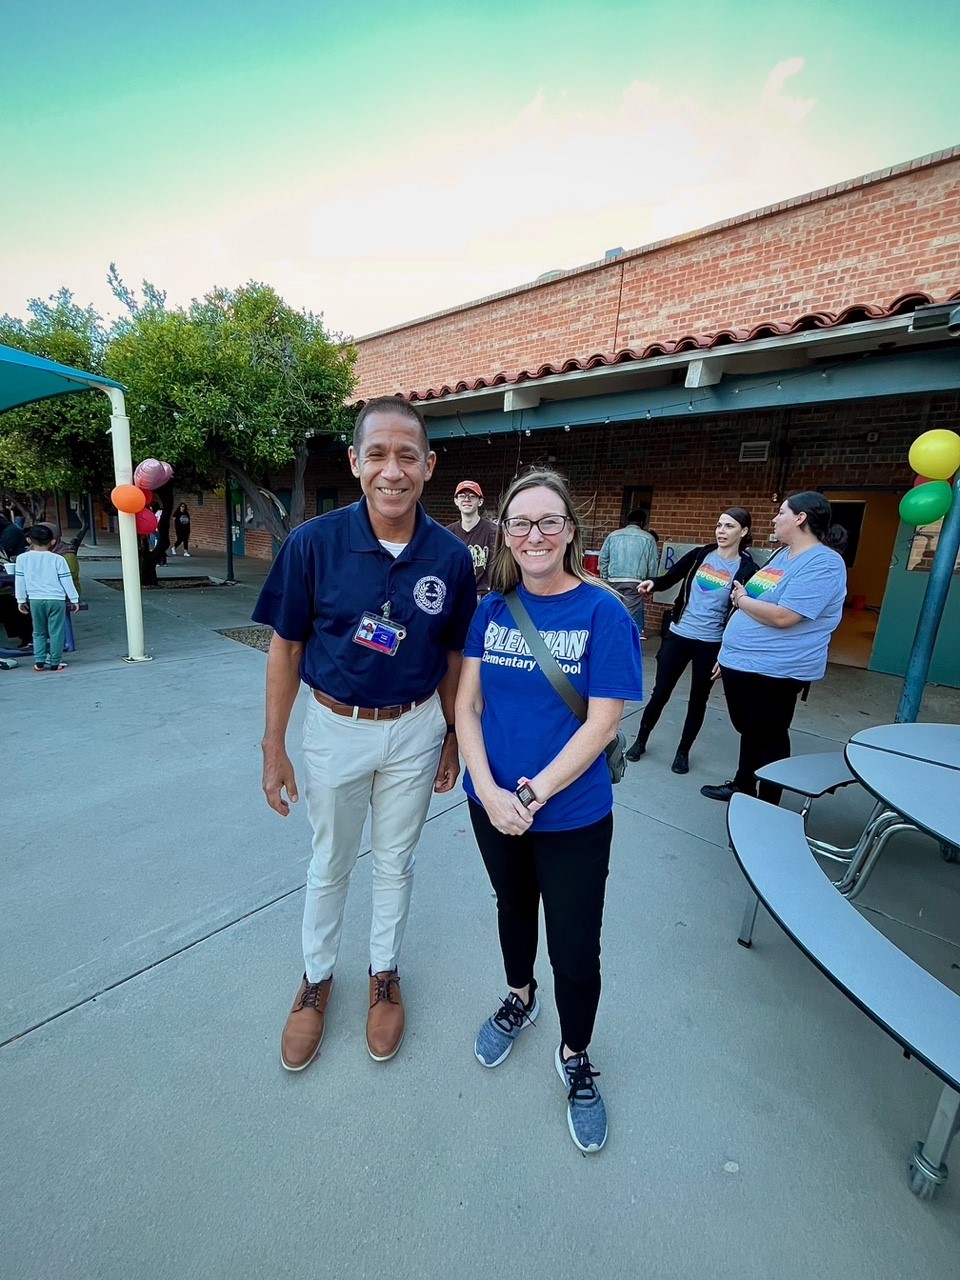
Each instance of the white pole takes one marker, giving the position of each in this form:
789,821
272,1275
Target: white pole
123,471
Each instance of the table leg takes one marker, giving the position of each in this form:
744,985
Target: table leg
745,937
928,1168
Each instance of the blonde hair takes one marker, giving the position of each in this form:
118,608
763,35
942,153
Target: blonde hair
504,571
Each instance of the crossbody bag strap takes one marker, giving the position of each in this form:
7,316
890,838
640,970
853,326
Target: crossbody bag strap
543,657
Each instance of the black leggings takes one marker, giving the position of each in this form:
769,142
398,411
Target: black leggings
672,659
761,709
183,536
568,869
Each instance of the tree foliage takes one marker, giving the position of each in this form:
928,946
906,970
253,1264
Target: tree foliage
60,443
238,381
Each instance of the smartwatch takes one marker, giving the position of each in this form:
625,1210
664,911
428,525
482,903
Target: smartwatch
525,795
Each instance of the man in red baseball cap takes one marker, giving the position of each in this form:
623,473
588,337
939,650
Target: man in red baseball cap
479,534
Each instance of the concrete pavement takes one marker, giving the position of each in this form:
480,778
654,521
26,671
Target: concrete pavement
760,1125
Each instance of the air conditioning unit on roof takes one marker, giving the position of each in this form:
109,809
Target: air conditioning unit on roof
754,450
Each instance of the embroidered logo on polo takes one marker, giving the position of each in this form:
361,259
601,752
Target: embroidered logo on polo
709,579
506,647
429,594
763,582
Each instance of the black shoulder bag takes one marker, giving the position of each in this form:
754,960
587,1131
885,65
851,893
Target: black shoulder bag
616,749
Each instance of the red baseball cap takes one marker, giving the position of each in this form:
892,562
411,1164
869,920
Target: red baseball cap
468,484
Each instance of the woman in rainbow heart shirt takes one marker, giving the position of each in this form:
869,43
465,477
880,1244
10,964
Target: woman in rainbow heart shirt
700,612
777,640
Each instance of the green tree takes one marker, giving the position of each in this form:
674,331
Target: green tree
238,382
60,443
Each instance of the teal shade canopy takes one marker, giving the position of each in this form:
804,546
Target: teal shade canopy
25,378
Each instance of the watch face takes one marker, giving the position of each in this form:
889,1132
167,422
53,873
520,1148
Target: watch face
525,795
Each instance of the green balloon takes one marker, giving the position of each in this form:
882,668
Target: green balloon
926,503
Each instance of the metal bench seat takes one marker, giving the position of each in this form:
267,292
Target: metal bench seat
813,776
910,1004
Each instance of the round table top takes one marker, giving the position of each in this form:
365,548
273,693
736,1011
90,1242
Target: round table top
926,793
935,743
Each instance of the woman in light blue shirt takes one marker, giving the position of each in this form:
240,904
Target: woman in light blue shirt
700,613
777,640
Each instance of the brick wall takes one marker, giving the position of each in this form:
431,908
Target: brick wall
864,241
692,467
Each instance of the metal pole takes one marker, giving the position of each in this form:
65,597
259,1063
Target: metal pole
228,513
93,528
127,526
931,612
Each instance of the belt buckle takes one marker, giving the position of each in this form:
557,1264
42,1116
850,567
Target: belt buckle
389,713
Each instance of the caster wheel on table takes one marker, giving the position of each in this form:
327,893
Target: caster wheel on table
923,1178
920,1184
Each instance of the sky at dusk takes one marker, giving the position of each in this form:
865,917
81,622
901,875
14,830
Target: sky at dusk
377,162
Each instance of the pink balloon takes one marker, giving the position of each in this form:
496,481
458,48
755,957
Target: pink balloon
167,470
150,474
147,522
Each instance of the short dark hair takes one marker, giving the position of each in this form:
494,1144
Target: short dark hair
389,404
638,516
817,510
40,535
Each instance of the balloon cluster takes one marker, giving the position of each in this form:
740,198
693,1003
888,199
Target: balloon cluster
935,456
134,499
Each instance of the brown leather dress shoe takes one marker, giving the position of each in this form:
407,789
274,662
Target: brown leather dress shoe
304,1030
385,1019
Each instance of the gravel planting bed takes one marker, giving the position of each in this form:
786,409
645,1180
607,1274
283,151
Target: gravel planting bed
255,637
168,584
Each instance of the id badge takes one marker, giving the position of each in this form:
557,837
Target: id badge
377,632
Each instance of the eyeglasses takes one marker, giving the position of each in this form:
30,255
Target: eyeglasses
520,526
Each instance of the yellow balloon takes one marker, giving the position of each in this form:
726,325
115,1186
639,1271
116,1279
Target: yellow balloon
936,454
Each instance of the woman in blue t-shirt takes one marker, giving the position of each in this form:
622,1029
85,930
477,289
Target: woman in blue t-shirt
700,613
539,789
777,640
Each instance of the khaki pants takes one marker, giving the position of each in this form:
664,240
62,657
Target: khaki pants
350,766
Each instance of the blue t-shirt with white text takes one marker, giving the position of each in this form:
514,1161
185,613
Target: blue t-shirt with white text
525,721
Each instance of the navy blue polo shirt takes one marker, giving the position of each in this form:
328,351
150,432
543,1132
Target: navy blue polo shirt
332,570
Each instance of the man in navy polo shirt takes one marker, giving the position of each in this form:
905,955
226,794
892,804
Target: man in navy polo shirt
370,607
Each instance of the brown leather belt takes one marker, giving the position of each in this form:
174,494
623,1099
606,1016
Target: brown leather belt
367,713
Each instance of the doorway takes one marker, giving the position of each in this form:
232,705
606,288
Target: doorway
871,518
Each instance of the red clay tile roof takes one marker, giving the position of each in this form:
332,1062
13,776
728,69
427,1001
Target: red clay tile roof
858,312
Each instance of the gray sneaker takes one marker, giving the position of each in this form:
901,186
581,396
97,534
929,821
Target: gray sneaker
495,1038
586,1114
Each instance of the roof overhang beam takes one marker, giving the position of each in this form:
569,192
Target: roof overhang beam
799,348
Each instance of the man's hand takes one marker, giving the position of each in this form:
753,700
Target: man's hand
24,608
74,606
715,673
645,588
448,770
278,776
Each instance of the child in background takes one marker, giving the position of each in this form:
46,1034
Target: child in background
44,585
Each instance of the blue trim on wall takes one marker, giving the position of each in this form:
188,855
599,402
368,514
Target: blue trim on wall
894,374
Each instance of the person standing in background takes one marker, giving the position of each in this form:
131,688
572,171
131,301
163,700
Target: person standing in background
478,533
693,637
43,585
777,639
628,557
181,527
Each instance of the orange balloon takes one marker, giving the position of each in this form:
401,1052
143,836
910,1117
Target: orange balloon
128,498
